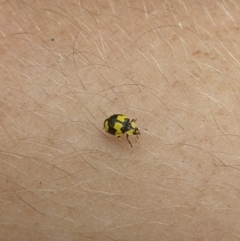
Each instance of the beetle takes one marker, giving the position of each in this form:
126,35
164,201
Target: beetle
119,124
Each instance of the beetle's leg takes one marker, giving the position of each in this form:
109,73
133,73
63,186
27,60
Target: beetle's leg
129,141
133,120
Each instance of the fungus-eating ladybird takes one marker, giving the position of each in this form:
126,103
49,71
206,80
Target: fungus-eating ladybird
119,124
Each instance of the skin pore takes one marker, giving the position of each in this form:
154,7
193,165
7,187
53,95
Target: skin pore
67,65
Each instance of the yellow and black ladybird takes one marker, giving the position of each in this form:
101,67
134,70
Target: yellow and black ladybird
119,124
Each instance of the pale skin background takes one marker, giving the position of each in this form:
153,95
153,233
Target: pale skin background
67,65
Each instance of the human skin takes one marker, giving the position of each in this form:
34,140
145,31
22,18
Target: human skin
66,66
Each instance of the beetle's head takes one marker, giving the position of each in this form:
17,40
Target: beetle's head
134,130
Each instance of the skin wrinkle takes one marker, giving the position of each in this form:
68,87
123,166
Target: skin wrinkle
172,65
